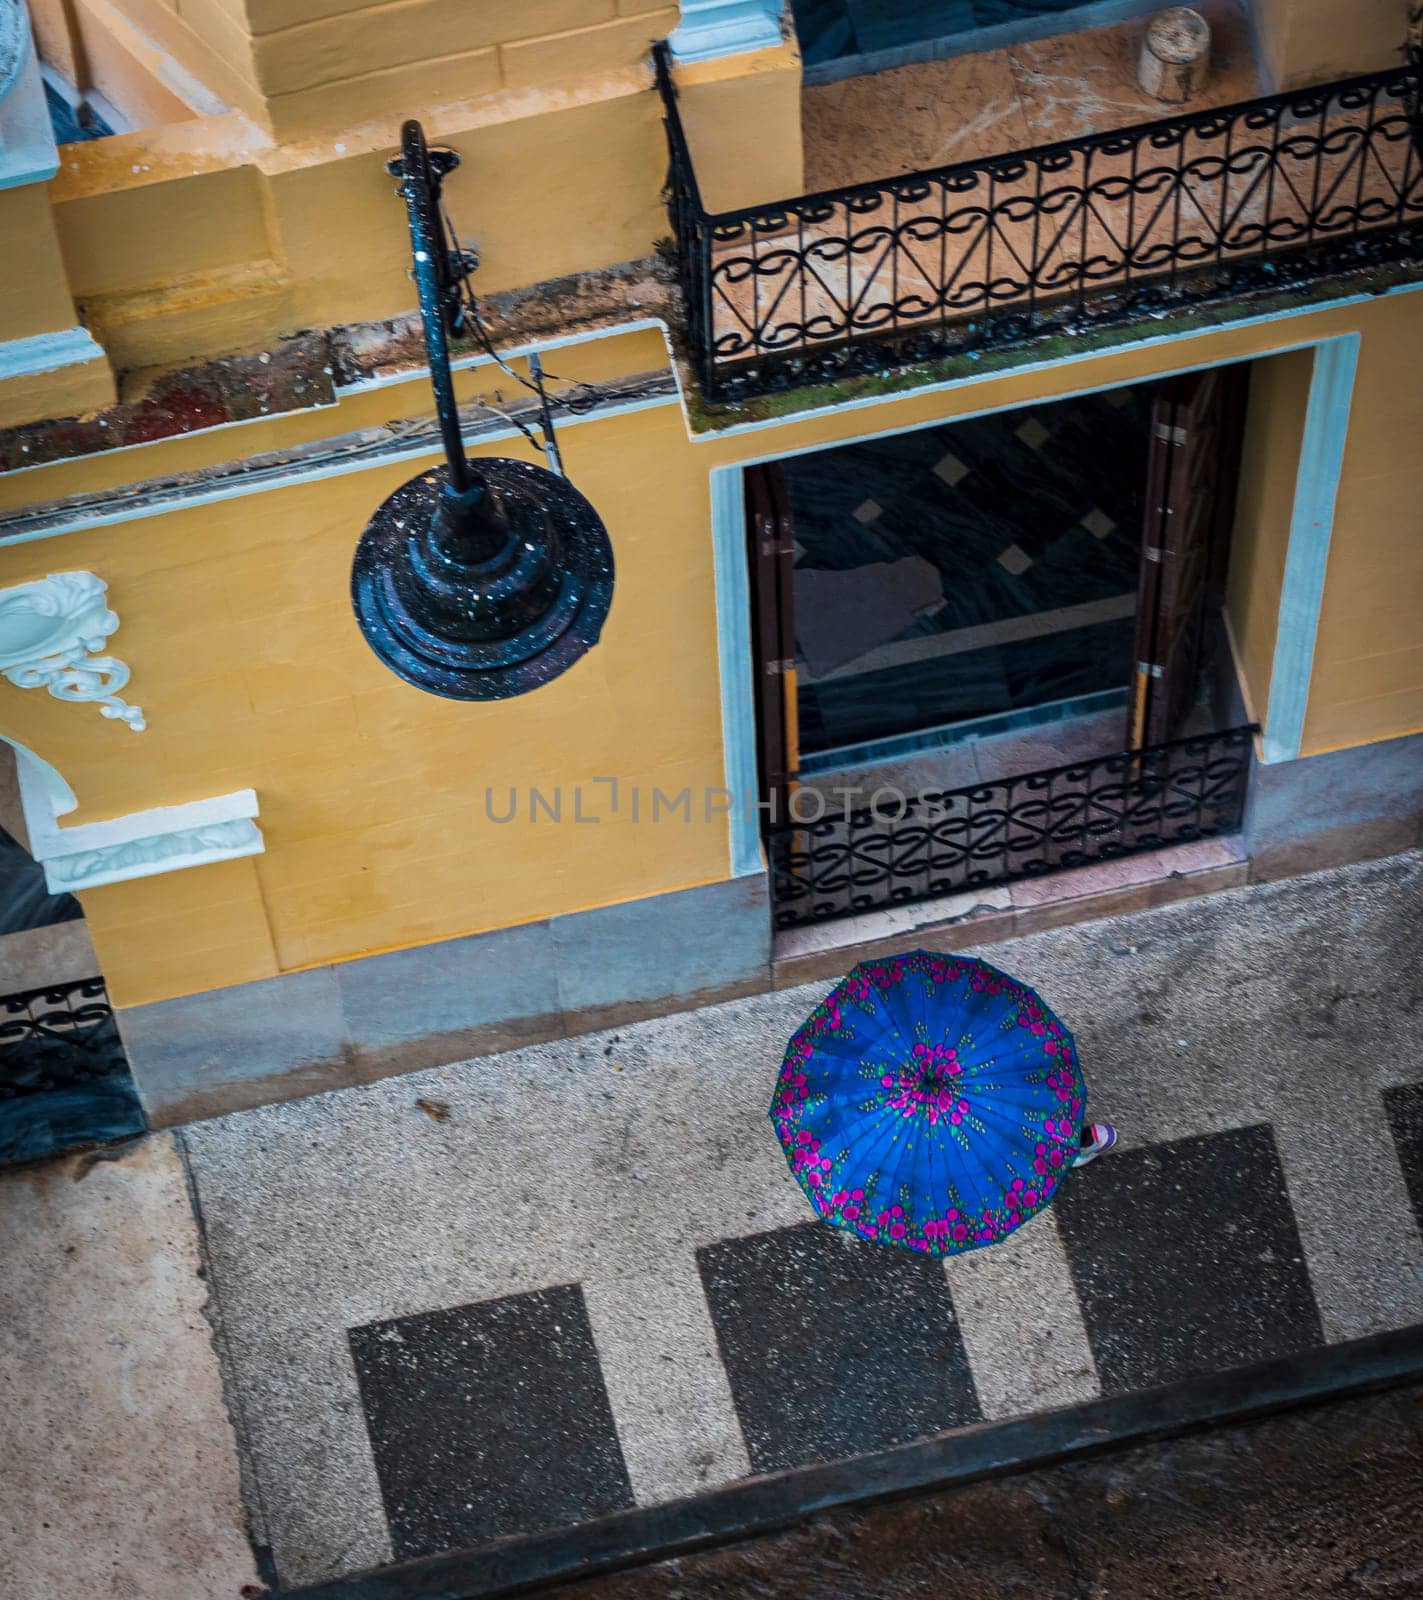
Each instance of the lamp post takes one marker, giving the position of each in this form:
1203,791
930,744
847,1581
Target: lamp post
476,581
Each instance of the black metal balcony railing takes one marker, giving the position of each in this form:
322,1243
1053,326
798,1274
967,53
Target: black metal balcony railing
1092,231
64,1076
936,844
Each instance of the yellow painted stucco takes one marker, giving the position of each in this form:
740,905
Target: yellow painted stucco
236,619
34,301
1269,466
372,793
231,218
1313,41
1368,658
176,253
742,120
33,296
214,231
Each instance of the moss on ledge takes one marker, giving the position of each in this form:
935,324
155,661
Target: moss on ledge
709,417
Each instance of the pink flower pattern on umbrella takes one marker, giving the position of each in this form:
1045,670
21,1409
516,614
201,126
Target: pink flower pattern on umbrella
910,1080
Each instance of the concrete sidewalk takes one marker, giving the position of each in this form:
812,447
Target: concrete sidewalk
118,1464
500,1318
560,1285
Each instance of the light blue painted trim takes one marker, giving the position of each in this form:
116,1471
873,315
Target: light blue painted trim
48,352
384,380
533,347
733,641
1326,427
44,794
1028,368
28,153
168,438
711,29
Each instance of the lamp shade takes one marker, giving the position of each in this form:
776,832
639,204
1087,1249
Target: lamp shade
484,592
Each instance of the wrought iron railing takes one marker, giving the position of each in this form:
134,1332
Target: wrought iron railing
1091,231
56,1034
64,1076
942,843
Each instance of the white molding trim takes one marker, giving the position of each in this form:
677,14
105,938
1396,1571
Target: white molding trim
114,507
48,352
477,358
1312,519
139,845
714,28
51,633
44,795
118,508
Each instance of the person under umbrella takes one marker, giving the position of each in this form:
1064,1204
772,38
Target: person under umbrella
933,1103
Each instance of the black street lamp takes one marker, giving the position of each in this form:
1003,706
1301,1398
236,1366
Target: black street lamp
474,581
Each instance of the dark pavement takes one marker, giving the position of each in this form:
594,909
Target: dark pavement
1319,1502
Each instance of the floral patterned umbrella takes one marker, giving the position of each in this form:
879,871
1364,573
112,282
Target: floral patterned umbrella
930,1102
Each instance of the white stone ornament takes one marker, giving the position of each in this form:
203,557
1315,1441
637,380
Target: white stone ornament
51,635
154,853
138,845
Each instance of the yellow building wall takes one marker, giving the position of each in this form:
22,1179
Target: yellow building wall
35,300
33,297
1368,657
1269,466
1312,41
159,61
302,69
236,620
52,22
373,794
198,240
198,236
741,116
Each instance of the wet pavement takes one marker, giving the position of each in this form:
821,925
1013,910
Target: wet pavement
486,1325
1321,1502
589,1292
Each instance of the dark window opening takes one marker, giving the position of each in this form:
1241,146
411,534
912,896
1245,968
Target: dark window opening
962,572
830,30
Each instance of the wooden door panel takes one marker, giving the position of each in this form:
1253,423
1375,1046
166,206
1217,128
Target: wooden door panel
1193,457
771,539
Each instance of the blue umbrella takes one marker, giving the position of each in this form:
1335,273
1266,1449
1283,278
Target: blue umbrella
930,1102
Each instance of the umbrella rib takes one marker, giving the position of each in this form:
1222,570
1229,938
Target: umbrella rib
907,1123
885,1127
944,1148
991,1181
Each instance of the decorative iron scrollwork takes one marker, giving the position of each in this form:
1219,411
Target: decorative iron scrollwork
944,843
1092,231
57,1037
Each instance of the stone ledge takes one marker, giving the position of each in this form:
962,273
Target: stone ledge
986,916
310,369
